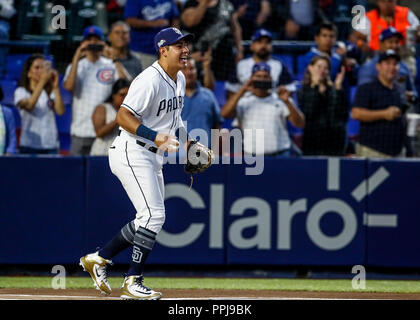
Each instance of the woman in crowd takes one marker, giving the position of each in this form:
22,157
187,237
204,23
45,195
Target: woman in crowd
104,121
39,99
324,105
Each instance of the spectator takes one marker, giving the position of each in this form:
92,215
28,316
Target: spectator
386,14
104,118
379,107
256,107
262,49
325,39
7,130
6,13
390,40
146,18
38,98
89,77
215,24
252,15
201,109
324,105
119,38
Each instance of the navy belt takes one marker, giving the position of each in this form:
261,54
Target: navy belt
141,143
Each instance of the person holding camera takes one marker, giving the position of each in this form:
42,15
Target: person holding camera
257,107
89,77
38,98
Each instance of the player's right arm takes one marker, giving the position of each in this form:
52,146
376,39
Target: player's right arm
70,82
127,120
229,109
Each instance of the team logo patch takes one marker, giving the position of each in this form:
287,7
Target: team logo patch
161,42
105,76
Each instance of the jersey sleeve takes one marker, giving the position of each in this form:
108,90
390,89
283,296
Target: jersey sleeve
140,95
20,94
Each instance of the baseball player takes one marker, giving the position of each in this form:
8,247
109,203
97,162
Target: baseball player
149,118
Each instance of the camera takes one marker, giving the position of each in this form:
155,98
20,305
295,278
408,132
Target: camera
264,85
95,47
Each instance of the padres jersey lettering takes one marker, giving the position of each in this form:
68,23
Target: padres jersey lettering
156,100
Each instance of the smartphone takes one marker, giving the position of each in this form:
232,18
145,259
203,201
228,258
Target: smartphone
95,47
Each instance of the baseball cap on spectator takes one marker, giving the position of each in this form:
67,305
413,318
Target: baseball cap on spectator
388,54
261,66
93,31
169,36
389,33
260,33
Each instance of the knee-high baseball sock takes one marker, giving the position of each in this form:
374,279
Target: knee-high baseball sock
121,241
143,244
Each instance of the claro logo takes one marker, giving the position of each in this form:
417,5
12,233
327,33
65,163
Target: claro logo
286,211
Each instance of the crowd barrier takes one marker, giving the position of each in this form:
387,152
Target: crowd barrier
308,211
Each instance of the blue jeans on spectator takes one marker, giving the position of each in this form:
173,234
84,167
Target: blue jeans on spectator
4,35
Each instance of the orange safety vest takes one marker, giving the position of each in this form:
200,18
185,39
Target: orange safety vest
377,24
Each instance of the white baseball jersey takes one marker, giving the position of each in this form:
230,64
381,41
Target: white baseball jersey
269,114
93,86
39,129
156,100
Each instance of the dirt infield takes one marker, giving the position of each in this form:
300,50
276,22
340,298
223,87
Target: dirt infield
92,294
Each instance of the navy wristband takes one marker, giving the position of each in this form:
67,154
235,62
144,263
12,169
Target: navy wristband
145,132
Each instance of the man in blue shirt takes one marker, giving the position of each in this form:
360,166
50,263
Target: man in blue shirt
390,39
146,18
201,109
379,107
325,39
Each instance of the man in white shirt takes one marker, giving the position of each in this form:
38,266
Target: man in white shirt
89,77
257,108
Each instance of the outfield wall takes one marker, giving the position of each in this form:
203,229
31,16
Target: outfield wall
318,211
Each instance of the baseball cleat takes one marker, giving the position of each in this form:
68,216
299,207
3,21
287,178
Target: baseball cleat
96,266
133,289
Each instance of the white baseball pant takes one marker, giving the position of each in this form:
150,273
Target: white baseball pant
140,172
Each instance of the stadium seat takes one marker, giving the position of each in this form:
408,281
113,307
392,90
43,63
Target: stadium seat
301,65
64,121
15,62
34,20
9,86
86,13
220,92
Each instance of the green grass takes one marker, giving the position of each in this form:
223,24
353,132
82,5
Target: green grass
391,286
